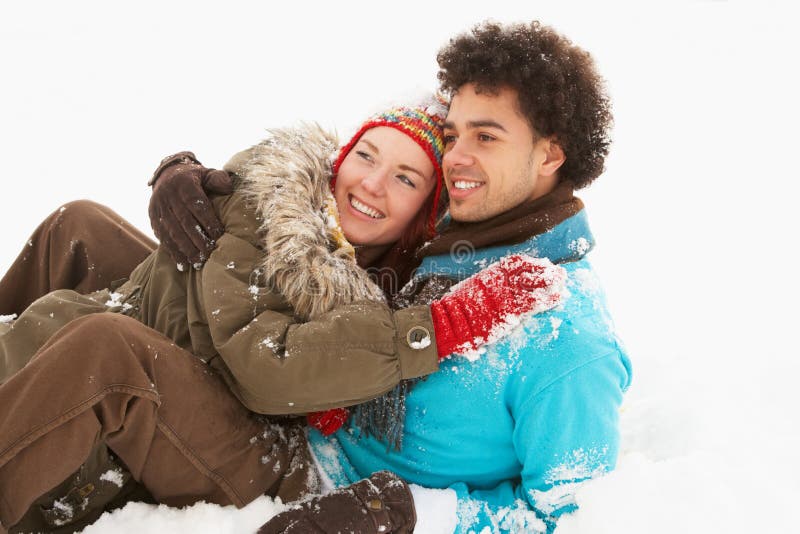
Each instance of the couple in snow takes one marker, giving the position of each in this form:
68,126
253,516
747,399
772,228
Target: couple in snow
191,388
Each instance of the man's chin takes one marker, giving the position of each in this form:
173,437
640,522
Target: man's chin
466,213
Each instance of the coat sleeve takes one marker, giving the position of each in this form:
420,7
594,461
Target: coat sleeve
564,434
277,365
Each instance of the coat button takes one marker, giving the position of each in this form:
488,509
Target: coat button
418,338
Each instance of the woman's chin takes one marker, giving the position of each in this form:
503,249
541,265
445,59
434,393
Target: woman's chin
358,240
356,235
354,238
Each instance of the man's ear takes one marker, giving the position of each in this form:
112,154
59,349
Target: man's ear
554,157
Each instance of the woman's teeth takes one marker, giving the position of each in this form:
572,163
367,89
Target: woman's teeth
366,210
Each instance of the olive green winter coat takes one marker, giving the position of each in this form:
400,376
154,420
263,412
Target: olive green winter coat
279,308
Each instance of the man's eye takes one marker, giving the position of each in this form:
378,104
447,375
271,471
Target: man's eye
449,139
485,137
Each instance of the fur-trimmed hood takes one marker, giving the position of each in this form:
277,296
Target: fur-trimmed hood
307,259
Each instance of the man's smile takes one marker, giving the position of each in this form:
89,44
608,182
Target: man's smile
460,188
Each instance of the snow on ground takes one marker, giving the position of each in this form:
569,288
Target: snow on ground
703,452
694,216
202,518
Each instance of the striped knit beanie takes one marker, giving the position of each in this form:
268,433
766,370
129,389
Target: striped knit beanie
423,123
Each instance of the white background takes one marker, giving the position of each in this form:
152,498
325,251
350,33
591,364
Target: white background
695,217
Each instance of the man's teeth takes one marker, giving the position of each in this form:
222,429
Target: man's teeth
366,210
460,184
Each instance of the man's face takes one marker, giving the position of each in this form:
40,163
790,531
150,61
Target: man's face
492,160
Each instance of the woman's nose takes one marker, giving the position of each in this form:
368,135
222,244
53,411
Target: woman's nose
375,182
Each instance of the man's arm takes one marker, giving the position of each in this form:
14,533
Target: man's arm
565,434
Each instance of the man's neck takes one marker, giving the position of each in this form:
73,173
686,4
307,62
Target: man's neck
510,227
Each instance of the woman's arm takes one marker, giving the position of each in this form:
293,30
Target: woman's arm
280,366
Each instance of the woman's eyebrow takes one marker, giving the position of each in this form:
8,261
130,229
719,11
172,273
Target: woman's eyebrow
402,167
371,145
405,167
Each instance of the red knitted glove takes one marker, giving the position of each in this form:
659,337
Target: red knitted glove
479,309
328,421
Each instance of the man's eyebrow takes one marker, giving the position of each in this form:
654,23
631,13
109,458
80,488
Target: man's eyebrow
482,123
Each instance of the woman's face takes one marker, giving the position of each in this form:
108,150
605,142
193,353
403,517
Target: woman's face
382,183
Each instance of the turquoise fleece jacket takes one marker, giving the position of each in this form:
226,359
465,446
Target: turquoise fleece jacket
513,432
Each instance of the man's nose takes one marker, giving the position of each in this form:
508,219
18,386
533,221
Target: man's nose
457,154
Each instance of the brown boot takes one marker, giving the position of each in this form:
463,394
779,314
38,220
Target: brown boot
100,485
381,503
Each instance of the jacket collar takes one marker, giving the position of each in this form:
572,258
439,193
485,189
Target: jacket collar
510,227
568,241
306,258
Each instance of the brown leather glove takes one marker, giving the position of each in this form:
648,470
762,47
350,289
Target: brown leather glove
381,503
180,211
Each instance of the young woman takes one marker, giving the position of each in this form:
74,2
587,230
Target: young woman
280,315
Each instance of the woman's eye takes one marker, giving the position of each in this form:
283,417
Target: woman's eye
406,180
449,139
364,155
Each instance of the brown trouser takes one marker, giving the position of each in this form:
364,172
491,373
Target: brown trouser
174,425
173,422
82,246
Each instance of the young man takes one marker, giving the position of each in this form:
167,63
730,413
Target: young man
510,434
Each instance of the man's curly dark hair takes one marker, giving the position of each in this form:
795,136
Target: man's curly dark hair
559,91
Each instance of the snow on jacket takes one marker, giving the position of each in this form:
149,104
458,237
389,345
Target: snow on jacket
511,433
277,266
